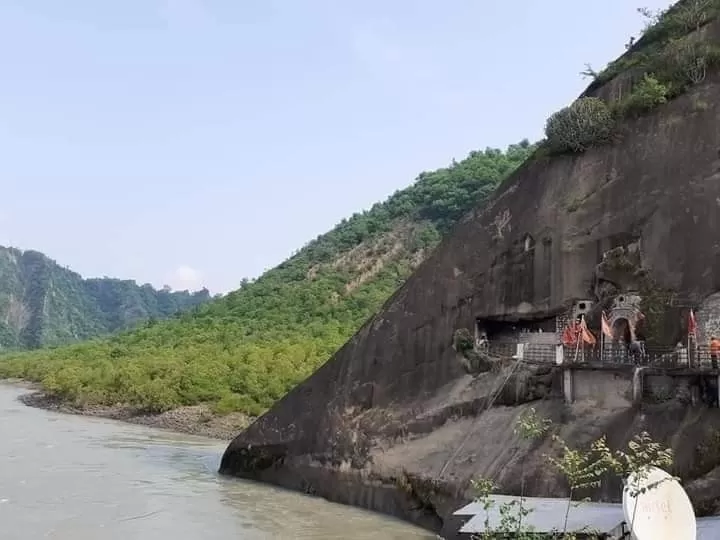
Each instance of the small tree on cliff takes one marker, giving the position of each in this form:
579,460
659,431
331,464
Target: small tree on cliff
587,122
582,470
647,94
529,426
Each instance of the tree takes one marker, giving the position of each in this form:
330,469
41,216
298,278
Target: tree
245,350
582,469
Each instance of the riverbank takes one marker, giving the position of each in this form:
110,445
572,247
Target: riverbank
192,420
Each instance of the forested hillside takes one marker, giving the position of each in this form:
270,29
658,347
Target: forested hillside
246,350
42,303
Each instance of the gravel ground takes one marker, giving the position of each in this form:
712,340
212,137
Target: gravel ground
194,420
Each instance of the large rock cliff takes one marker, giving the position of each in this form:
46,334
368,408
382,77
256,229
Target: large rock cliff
394,422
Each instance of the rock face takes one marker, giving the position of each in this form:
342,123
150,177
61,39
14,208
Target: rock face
45,304
393,422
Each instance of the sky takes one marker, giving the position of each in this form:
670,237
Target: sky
196,142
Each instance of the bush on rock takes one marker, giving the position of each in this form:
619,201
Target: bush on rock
587,122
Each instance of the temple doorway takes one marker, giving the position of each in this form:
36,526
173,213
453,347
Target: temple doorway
621,330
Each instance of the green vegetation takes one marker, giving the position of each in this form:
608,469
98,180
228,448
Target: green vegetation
672,55
473,361
647,94
246,350
44,304
586,122
664,29
582,469
463,340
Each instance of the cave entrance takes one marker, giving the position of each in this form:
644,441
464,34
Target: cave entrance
531,339
511,330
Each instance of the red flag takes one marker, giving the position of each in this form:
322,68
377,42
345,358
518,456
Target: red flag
692,325
605,326
570,335
587,335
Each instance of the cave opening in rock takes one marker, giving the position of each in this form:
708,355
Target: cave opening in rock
529,339
513,330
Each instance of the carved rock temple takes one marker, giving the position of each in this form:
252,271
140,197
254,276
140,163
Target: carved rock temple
401,419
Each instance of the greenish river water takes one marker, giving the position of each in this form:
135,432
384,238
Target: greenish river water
68,477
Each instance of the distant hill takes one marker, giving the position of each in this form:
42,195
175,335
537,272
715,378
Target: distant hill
247,349
42,303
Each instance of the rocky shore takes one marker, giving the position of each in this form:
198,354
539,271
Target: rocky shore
193,420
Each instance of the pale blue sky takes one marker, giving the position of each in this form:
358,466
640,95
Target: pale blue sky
195,142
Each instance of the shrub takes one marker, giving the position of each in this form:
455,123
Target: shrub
692,14
679,20
582,470
685,62
583,124
663,27
645,96
658,24
231,402
463,340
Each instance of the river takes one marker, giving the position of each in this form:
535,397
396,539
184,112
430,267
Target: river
65,477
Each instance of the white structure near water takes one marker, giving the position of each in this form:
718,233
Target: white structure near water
548,515
655,507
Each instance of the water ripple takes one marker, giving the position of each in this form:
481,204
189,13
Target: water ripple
75,478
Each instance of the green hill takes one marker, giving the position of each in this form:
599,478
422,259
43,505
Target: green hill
246,350
44,304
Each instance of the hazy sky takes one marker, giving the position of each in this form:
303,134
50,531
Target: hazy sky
195,142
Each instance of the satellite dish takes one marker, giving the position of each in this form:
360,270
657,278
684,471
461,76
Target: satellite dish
662,512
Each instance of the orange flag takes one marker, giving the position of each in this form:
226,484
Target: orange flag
605,326
587,335
571,334
569,337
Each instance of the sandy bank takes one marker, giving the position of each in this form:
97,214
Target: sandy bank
193,420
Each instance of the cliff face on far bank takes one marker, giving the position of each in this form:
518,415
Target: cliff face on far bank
394,422
45,304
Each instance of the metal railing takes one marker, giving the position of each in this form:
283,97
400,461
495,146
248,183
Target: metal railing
532,352
500,349
668,357
611,354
